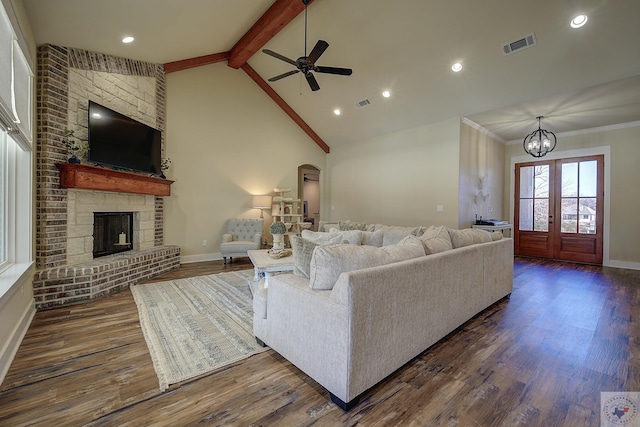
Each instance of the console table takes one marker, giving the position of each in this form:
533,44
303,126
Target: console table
492,228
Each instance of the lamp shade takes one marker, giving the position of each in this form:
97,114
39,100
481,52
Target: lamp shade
262,202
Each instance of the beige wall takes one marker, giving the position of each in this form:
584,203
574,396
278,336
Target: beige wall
227,140
481,176
398,178
622,175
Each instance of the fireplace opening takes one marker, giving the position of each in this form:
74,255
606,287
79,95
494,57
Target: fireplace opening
112,233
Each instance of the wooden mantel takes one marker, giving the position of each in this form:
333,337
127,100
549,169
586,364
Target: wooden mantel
86,177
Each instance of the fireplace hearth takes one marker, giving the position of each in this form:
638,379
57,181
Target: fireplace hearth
112,233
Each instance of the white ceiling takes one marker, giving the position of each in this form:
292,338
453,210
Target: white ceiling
576,78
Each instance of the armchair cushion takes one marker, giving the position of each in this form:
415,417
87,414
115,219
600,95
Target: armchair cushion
242,235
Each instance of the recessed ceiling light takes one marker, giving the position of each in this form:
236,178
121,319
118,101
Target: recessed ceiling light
456,67
579,21
386,93
337,112
128,39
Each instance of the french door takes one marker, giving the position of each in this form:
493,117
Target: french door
559,206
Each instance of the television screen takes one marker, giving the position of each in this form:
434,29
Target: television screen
120,141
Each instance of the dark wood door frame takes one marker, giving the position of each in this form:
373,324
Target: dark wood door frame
604,151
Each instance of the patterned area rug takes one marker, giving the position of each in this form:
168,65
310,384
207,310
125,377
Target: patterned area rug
196,325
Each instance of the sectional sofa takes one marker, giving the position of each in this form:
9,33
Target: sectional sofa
352,314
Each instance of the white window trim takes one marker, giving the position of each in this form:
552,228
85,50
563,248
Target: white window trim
18,193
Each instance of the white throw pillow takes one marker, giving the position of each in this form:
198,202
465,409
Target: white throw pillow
394,233
468,236
436,239
372,238
352,237
328,262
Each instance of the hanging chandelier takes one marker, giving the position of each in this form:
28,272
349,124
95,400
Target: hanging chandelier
539,142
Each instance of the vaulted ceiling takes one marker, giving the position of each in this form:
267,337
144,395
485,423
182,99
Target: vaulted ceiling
576,78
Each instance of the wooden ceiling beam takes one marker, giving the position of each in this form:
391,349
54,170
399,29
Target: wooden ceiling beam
274,19
185,64
285,107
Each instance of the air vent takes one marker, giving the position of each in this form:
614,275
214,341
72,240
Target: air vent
516,45
363,103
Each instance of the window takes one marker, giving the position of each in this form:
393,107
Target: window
3,201
16,133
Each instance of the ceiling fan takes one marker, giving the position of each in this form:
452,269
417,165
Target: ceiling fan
307,64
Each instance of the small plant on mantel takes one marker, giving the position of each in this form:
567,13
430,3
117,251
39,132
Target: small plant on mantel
164,165
74,147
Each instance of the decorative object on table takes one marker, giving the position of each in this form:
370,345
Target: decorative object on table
164,165
241,235
262,203
480,197
223,322
538,143
74,146
279,254
277,230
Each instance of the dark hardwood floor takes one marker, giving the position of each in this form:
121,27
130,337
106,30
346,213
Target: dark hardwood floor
540,358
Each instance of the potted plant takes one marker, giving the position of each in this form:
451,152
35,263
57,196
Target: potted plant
74,148
165,165
277,230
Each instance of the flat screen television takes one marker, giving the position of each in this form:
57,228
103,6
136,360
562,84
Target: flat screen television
120,141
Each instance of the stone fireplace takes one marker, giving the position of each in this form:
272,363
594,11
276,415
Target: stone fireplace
67,272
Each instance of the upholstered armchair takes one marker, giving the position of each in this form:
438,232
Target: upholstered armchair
242,235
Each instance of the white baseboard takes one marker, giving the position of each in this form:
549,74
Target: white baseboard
623,264
200,258
11,347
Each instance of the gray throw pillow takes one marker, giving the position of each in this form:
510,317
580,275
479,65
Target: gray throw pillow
302,253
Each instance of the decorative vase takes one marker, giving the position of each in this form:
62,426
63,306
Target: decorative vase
278,242
74,159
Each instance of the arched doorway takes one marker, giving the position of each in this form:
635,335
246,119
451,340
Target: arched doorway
309,194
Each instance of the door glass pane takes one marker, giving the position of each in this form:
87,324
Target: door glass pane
588,178
541,214
569,215
526,215
587,218
526,182
541,181
569,179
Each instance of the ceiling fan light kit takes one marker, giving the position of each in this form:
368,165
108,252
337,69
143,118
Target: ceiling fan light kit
539,142
307,64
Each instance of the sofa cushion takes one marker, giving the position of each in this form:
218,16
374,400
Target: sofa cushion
352,237
328,226
394,233
372,238
302,253
468,236
348,225
435,240
328,262
496,236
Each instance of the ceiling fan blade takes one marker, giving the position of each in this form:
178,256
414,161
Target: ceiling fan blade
318,50
312,81
334,70
280,57
283,75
